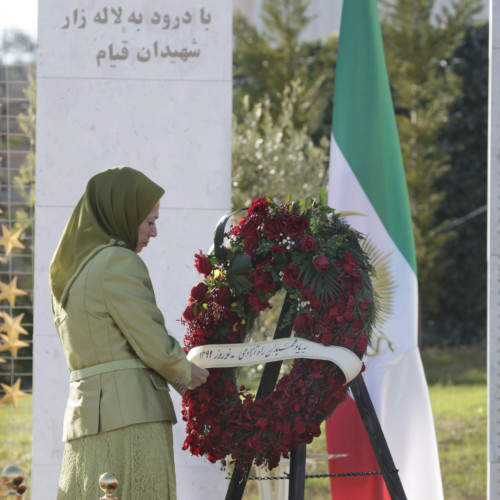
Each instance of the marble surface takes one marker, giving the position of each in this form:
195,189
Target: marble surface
170,259
50,392
168,129
43,486
203,481
50,222
174,40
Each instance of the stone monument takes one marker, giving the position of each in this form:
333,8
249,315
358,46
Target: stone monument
144,84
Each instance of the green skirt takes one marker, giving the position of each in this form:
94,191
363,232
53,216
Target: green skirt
140,456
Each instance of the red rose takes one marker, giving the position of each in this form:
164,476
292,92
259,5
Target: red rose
291,276
262,423
349,263
199,291
202,264
349,343
207,332
361,344
321,264
365,304
299,427
279,253
190,312
315,429
273,228
300,323
262,281
357,325
309,293
279,250
256,303
257,443
326,338
259,206
308,243
221,295
247,226
251,243
295,226
248,229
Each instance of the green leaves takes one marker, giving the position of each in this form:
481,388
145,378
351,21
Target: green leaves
327,285
271,155
236,275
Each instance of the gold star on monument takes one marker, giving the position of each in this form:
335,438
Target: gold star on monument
10,291
10,240
12,393
12,326
12,344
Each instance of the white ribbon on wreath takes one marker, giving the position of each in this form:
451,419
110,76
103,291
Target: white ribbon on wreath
233,355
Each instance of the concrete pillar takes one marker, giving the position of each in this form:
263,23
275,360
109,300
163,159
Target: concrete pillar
144,84
494,256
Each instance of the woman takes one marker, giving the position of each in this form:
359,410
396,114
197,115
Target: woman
119,415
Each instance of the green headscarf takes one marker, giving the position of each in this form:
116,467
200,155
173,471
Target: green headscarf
115,203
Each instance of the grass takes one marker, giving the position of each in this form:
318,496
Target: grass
457,386
15,438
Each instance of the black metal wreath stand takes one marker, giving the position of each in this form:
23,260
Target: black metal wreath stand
377,439
298,456
267,384
297,485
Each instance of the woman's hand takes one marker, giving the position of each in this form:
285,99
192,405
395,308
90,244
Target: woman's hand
198,376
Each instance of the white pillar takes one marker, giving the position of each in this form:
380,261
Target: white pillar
494,256
145,84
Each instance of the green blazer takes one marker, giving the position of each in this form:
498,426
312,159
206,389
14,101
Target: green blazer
117,348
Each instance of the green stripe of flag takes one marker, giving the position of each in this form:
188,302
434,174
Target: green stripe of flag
364,125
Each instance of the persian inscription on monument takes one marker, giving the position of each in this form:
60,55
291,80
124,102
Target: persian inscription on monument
133,45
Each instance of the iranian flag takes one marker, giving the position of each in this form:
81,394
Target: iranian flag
367,177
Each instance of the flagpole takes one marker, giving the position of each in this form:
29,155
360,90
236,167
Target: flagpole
493,257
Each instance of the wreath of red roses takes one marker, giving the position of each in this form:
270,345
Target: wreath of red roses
308,250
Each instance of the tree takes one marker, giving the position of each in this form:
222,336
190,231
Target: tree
264,63
462,294
418,46
272,157
17,47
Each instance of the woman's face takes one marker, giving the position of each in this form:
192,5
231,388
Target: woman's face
147,228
